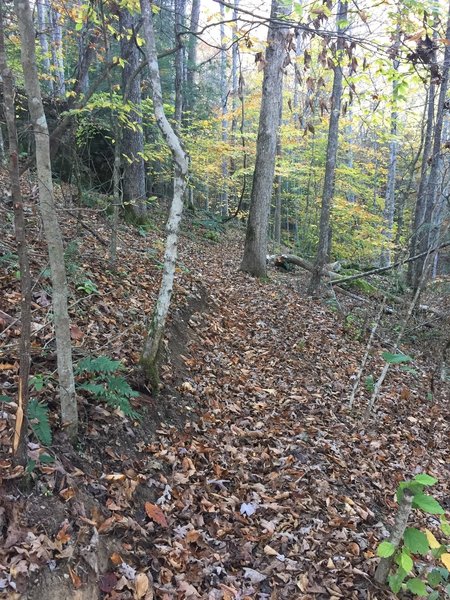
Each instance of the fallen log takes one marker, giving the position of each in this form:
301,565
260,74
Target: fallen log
329,271
281,260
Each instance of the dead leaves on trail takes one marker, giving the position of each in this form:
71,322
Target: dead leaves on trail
272,490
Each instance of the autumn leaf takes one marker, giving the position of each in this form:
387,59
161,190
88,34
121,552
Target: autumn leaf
76,580
445,558
156,514
431,539
141,585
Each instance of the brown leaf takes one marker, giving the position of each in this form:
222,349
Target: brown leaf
156,514
141,585
76,333
107,582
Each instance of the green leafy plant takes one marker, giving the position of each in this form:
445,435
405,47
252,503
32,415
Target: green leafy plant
105,384
38,419
88,287
409,574
396,359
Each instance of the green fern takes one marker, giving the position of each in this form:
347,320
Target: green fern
101,364
38,418
106,387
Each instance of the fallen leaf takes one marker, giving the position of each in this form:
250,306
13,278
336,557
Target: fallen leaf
156,514
107,582
141,585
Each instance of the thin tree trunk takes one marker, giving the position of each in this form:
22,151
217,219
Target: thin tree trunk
3,158
432,186
20,439
57,53
255,249
134,188
234,84
401,521
323,250
180,9
279,183
192,57
43,18
149,358
69,413
389,205
224,99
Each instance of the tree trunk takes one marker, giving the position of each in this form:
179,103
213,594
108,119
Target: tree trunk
192,57
134,192
69,413
43,18
279,182
323,250
432,186
255,249
149,358
57,53
180,9
234,84
20,438
223,100
389,205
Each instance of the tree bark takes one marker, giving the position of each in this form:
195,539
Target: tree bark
69,413
180,9
323,249
279,183
43,19
401,521
419,211
255,249
57,54
134,189
223,100
389,206
152,343
20,438
432,186
192,57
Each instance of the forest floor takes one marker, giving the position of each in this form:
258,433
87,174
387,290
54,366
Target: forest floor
248,476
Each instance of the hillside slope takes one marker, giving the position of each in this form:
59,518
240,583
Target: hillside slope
248,477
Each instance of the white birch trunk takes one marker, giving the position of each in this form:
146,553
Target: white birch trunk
69,413
152,343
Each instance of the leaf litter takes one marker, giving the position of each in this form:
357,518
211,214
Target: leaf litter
265,487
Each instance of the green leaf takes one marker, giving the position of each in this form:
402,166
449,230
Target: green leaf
425,479
385,549
46,459
38,419
445,525
396,359
395,581
101,364
6,399
416,541
428,504
37,382
406,562
433,596
416,586
434,578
